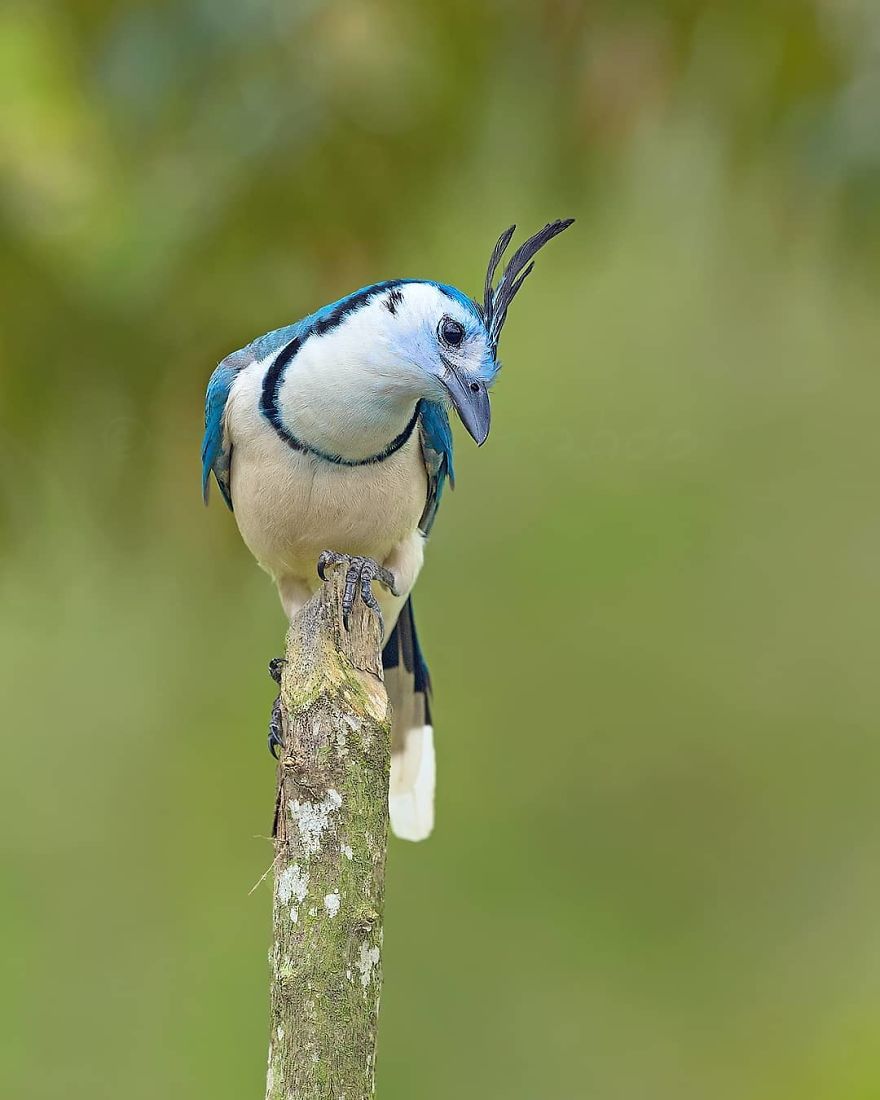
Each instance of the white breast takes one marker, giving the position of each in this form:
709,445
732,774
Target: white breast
290,506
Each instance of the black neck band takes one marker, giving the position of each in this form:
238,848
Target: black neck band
269,408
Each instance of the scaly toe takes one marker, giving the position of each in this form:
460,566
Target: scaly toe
367,594
349,595
329,558
359,576
386,577
276,728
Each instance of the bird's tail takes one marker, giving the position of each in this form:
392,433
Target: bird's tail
411,797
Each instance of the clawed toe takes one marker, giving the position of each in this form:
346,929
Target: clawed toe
276,728
359,576
327,558
385,577
276,720
366,584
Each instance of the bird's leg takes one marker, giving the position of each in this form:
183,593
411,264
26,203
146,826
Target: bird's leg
359,576
276,720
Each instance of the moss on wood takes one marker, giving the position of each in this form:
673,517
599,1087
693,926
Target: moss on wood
326,965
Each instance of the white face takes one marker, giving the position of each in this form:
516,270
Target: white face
423,324
435,339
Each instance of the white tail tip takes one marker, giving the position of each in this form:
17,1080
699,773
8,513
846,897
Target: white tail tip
413,777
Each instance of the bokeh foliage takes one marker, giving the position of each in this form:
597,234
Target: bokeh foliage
650,606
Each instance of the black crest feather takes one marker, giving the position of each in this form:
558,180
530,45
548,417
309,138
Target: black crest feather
497,299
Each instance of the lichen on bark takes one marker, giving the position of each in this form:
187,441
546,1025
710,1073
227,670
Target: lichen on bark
330,846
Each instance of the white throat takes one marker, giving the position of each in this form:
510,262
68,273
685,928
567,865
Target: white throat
346,393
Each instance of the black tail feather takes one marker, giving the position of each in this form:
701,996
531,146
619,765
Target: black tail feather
403,648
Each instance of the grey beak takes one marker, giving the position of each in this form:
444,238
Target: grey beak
471,402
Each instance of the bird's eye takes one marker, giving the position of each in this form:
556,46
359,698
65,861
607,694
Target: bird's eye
450,332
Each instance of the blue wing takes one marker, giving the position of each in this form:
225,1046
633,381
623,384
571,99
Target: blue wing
436,437
216,448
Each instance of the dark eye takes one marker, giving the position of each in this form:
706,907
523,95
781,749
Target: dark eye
450,332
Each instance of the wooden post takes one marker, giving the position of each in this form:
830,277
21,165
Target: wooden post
330,845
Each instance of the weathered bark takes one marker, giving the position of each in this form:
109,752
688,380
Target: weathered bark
331,839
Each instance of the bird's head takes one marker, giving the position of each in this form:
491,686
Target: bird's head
447,342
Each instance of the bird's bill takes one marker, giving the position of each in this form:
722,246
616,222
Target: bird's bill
471,402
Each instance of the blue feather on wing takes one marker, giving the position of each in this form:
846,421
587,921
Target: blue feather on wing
216,454
436,437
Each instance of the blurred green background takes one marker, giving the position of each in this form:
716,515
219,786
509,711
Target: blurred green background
650,607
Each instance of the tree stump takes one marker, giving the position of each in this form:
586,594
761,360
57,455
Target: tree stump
330,844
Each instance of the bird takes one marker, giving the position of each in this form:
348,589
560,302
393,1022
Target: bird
330,441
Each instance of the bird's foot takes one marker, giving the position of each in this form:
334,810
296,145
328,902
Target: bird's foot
276,719
276,728
359,577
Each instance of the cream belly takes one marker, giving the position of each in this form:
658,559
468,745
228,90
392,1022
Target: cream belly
290,506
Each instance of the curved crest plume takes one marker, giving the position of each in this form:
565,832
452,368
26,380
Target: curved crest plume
497,299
